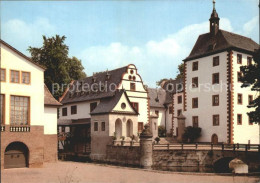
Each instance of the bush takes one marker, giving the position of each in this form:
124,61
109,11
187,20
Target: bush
191,134
157,139
161,131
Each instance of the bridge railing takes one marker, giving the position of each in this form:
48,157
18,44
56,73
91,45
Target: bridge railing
209,146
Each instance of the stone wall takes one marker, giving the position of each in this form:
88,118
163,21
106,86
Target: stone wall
123,155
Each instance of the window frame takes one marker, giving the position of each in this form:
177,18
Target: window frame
249,100
103,126
142,127
3,110
73,109
179,99
28,111
213,100
214,61
213,78
241,57
213,119
23,72
170,110
193,103
95,126
249,61
63,111
193,121
239,75
132,86
240,118
193,66
240,103
133,105
195,82
19,77
249,123
4,74
179,111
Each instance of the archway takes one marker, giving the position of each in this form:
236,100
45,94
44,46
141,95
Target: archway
129,128
214,139
16,155
222,165
118,128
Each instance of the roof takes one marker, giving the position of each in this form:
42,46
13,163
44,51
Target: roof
21,54
222,41
157,97
106,105
107,78
49,99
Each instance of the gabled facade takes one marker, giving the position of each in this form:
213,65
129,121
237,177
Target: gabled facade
213,97
28,112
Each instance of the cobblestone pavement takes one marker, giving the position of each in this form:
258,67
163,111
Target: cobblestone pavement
73,172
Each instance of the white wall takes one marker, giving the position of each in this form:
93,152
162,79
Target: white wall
245,132
10,60
176,108
50,120
205,111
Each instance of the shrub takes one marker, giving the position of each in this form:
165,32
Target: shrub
161,131
191,133
157,139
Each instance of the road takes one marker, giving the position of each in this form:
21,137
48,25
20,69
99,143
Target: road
74,172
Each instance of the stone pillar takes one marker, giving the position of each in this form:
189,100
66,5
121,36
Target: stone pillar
181,127
146,148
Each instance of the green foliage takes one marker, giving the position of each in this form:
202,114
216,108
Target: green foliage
158,83
191,133
161,131
251,78
60,68
180,72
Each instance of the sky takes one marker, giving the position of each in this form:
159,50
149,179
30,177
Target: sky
154,35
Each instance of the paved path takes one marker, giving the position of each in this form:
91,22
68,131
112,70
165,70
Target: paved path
73,172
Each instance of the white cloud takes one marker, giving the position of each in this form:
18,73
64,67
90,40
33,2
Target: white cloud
19,33
251,26
155,59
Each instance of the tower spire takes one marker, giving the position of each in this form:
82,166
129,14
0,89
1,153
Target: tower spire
214,21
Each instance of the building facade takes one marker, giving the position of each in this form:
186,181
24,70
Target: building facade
213,97
28,112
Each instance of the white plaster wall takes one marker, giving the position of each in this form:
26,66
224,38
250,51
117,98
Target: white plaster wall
118,107
245,132
83,110
176,108
10,60
50,120
161,116
205,111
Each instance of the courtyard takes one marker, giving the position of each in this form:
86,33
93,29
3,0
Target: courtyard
75,172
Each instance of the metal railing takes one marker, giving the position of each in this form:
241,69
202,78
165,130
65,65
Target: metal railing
209,146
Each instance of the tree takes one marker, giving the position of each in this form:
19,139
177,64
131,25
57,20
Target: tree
161,131
191,133
158,83
60,69
251,78
180,71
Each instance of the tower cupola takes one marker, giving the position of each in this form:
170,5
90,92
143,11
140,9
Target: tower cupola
214,21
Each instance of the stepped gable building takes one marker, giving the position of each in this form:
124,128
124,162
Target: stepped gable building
28,112
213,97
107,104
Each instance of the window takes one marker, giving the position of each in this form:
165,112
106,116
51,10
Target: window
95,126
103,126
215,61
179,112
239,99
26,77
195,121
64,111
179,99
239,119
215,120
3,75
123,105
157,113
195,103
15,78
249,60
250,99
239,76
195,66
250,121
239,58
215,78
135,106
140,127
63,129
170,109
20,110
2,109
215,100
93,106
195,82
132,86
73,109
